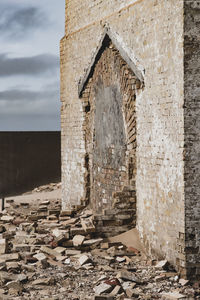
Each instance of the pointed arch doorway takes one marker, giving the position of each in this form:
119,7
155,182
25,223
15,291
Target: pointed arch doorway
108,94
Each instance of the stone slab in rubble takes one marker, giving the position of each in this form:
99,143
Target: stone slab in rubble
78,240
9,257
12,266
92,242
102,288
7,218
50,252
103,297
42,281
60,250
84,259
128,276
15,285
130,293
183,282
72,252
40,256
163,264
173,296
116,291
3,246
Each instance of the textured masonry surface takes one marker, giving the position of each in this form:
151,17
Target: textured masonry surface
192,135
167,109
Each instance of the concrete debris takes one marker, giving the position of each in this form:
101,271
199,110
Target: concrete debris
49,254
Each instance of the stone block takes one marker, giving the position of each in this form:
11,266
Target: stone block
50,252
72,252
88,225
103,288
78,240
173,296
3,246
22,248
40,256
84,259
128,276
163,264
9,257
103,297
77,231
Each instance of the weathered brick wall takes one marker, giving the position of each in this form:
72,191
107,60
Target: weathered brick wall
152,32
84,13
192,135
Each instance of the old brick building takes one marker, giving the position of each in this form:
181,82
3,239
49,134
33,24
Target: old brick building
130,120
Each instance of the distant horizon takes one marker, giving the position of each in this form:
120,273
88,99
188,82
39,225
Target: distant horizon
29,60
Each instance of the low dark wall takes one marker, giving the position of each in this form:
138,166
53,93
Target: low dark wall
27,160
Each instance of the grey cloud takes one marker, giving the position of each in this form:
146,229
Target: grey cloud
27,95
29,122
34,65
18,22
27,102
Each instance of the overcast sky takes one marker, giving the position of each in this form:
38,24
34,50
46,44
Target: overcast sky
30,31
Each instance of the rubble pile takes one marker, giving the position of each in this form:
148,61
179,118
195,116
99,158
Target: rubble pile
45,188
49,254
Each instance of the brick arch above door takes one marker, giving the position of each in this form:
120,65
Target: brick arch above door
126,54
